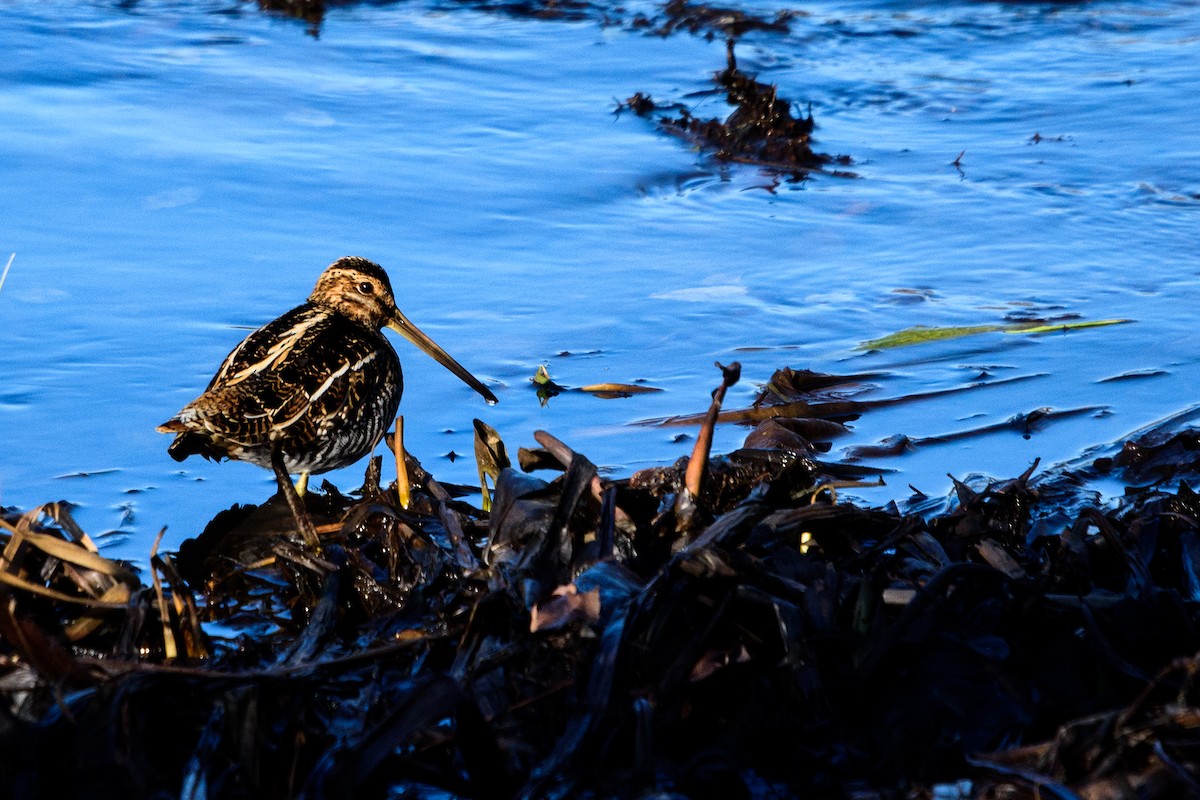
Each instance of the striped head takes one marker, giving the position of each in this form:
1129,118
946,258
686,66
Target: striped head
358,289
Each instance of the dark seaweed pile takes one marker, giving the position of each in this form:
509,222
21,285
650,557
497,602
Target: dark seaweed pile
761,130
723,628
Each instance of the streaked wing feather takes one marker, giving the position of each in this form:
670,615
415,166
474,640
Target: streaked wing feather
295,378
272,345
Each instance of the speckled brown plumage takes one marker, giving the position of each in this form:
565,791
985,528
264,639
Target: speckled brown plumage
320,383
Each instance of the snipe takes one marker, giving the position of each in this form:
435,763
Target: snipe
315,389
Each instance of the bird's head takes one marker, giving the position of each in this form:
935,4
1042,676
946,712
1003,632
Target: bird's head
361,290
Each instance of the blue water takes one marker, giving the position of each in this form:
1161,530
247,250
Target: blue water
177,173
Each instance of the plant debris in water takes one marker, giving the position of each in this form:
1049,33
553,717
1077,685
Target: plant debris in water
921,334
720,627
711,21
760,131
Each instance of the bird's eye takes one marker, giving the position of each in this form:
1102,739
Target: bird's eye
366,287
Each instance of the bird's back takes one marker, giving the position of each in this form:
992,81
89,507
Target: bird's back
325,388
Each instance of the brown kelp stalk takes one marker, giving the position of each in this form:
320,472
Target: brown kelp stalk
697,469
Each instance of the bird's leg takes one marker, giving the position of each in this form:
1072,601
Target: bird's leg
303,521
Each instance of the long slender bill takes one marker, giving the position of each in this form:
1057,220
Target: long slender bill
401,325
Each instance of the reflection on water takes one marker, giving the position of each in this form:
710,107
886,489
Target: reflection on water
176,173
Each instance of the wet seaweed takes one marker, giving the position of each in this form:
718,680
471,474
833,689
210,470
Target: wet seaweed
722,626
761,130
1023,424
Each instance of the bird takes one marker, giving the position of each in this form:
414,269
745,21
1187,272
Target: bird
315,389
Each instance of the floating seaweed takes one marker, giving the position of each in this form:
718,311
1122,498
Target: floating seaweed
922,334
547,388
761,130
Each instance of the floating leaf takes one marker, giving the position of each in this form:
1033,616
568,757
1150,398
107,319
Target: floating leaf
609,391
1066,326
920,334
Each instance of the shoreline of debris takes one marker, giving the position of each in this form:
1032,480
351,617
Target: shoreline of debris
721,626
